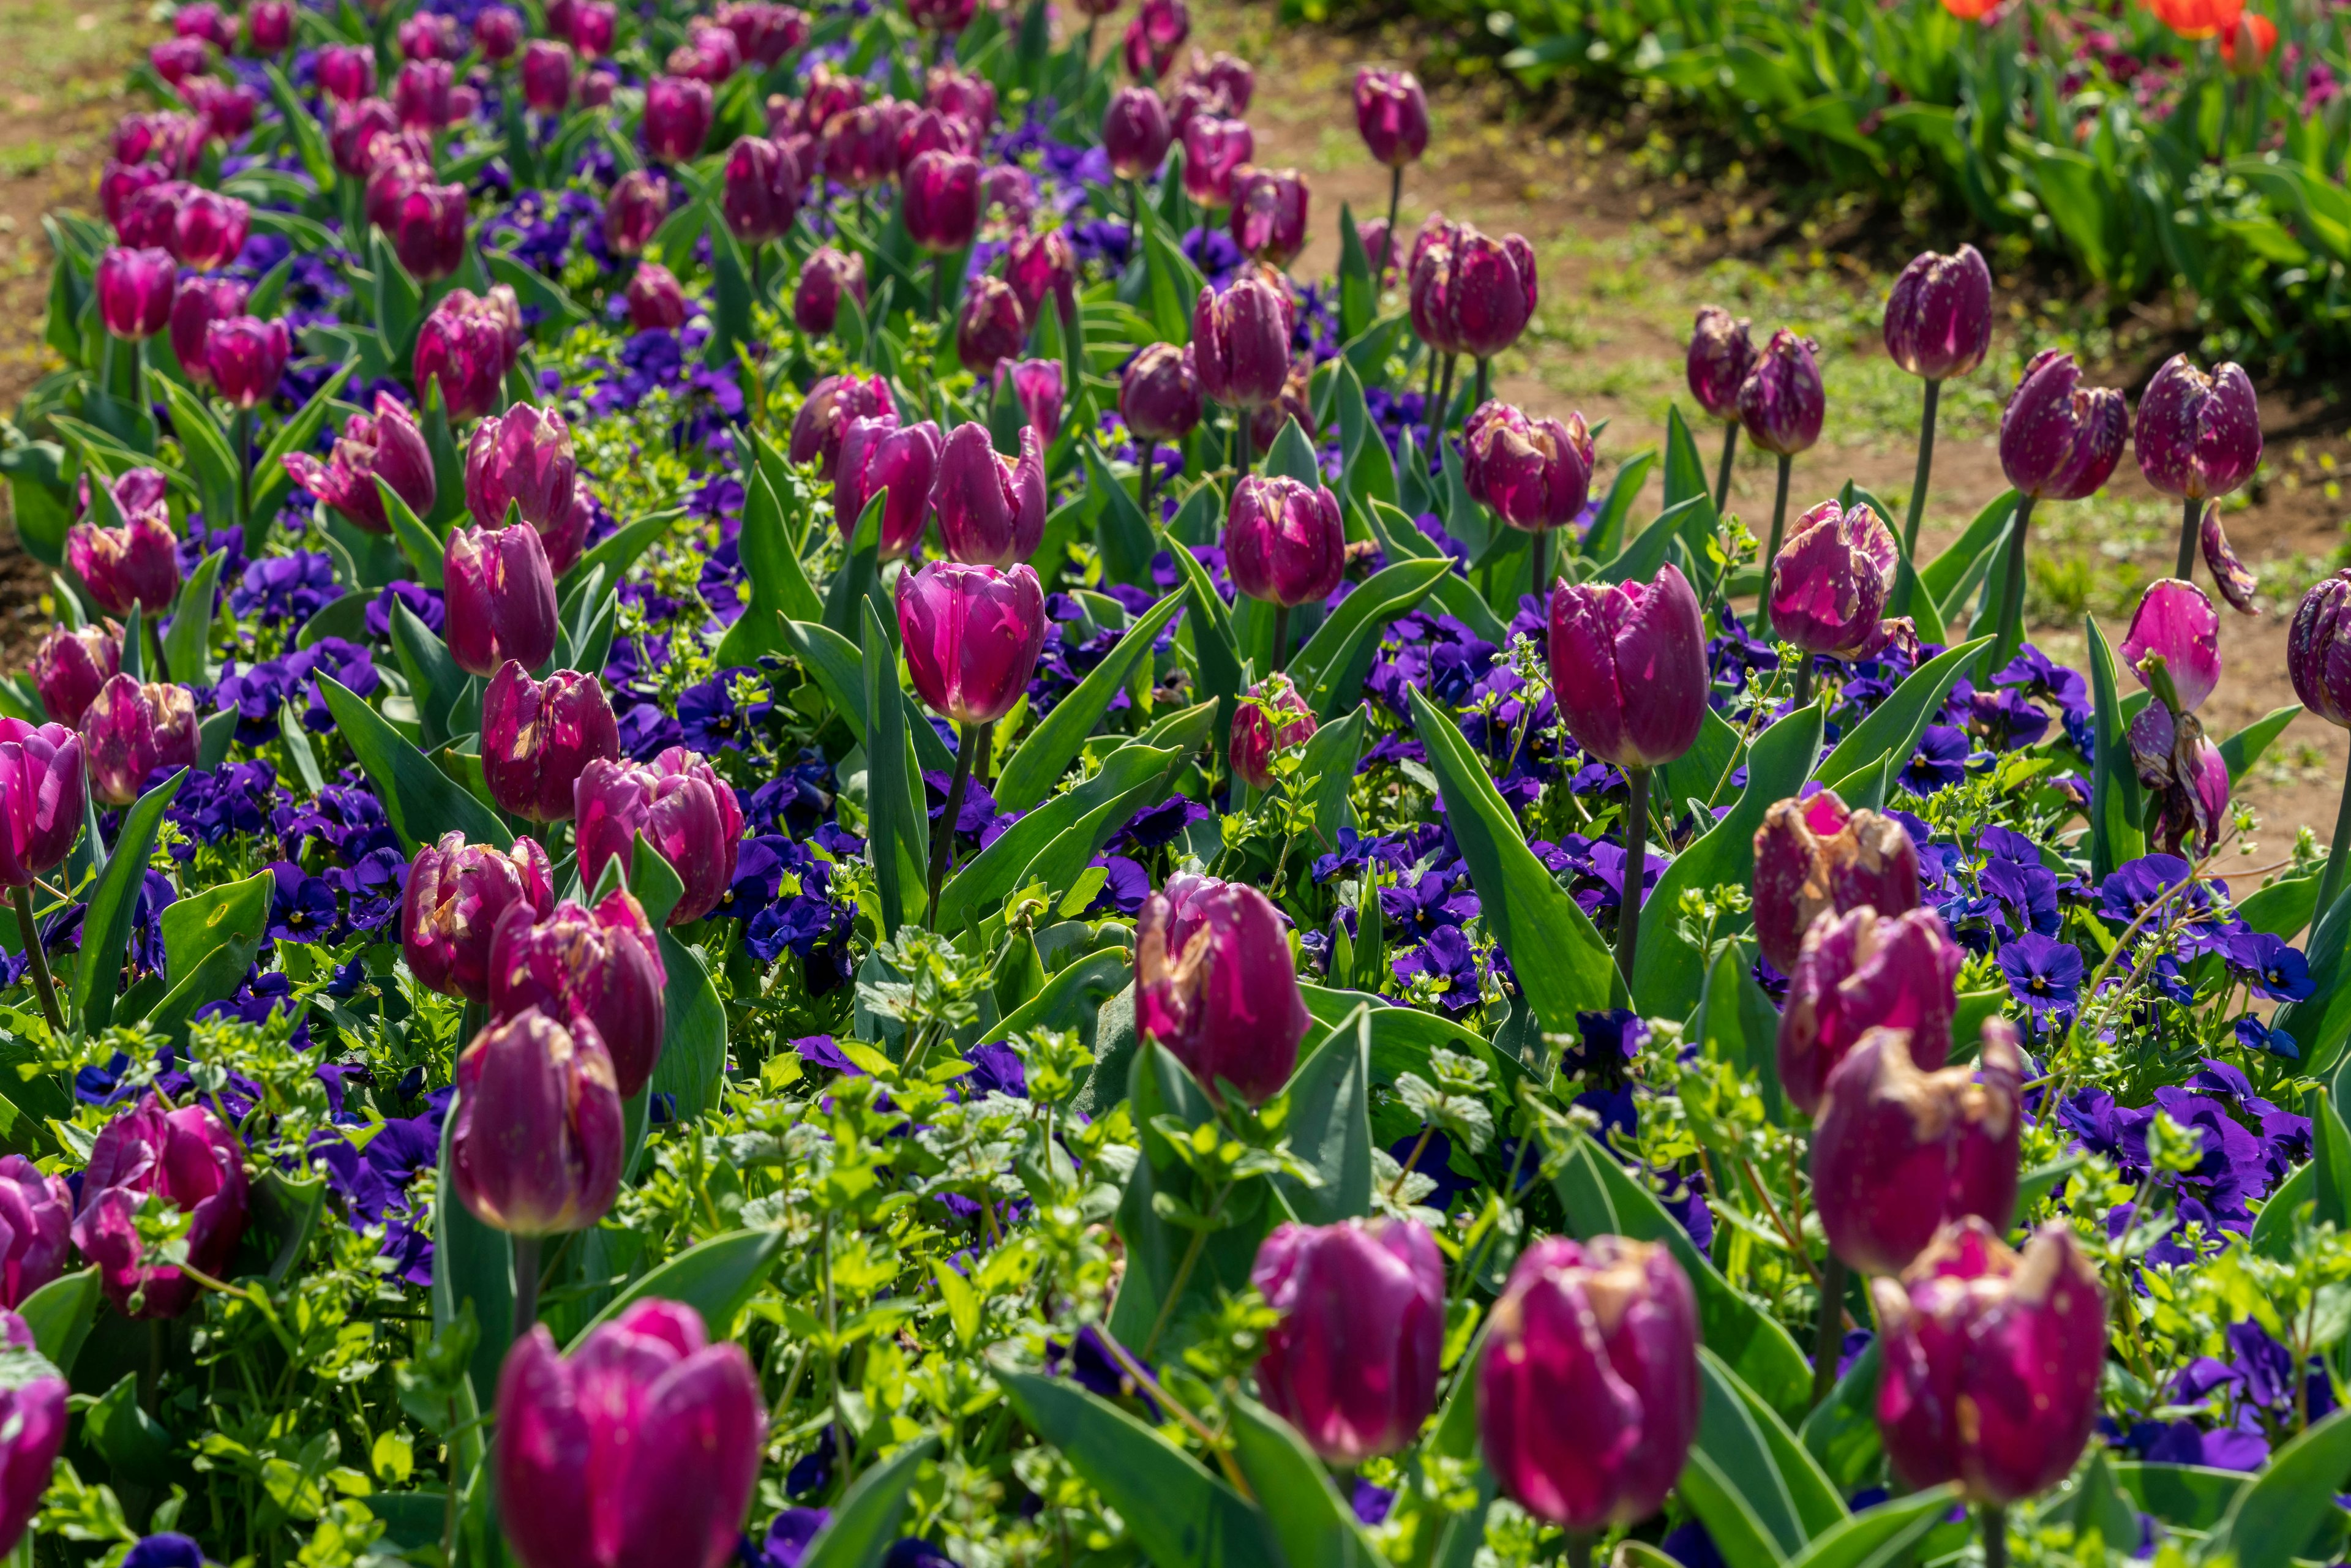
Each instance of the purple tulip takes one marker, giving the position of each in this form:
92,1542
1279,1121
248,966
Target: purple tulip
928,131
1815,858
537,1145
134,291
358,135
1628,667
185,1159
227,108
595,25
991,510
860,145
1041,266
992,326
1009,192
1859,971
2059,440
118,184
1240,341
1268,220
830,406
1831,582
877,454
246,359
1293,402
269,26
972,635
547,75
35,1242
760,191
32,1432
1489,291
1284,542
639,1450
764,33
538,737
168,138
2199,435
1216,150
2318,649
1391,116
176,61
1216,986
635,211
1535,473
1938,318
450,909
1428,278
1781,403
603,965
467,344
2237,585
500,593
1157,30
428,231
69,667
209,230
130,730
941,199
656,299
1270,718
709,56
135,566
497,33
825,277
598,86
385,444
1135,133
1159,393
1588,1390
428,36
677,117
1036,384
2176,623
684,810
151,214
1352,1364
523,460
2186,778
41,773
423,93
960,95
1992,1361
346,71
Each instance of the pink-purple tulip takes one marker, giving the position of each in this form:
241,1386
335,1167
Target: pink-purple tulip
635,211
135,566
227,108
602,964
169,138
1040,267
1240,341
547,75
928,131
269,26
1628,667
1159,393
186,1159
598,86
450,907
1216,986
1489,291
656,299
941,199
1284,541
1008,193
1294,402
2186,778
1216,149
945,17
134,291
1814,857
500,593
41,773
120,184
1272,717
710,55
2237,584
1782,401
497,33
1391,116
427,35
961,95
825,277
1832,579
385,444
428,231
1036,385
423,95
764,33
467,344
537,1145
972,635
860,145
2199,436
1352,1365
358,135
1135,133
151,212
2177,624
177,59
1938,316
684,809
130,730
991,510
209,230
246,359
2318,649
33,1425
522,459
1859,971
832,403
992,326
539,737
70,666
1268,220
200,302
677,117
1156,31
346,71
878,454
760,192
1535,473
595,25
2058,439
35,1241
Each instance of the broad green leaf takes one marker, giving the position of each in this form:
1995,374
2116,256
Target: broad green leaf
886,805
106,923
2244,748
419,801
780,585
694,1020
1125,536
1607,531
1330,668
1330,1124
1880,1537
187,646
1326,767
1639,561
472,1263
209,942
1312,1526
1729,1480
211,464
619,553
854,580
436,686
866,1523
1293,456
979,888
717,1277
2115,804
426,551
2193,1496
1215,647
60,1314
1944,575
1032,770
2274,1516
1894,726
1841,1433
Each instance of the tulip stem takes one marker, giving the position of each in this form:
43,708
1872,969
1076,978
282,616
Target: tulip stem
1281,637
1771,550
1722,470
938,288
1388,239
1828,1337
1245,442
1804,679
2010,631
526,1284
1919,493
1541,544
241,433
2191,518
48,987
1994,1522
2330,885
1579,1548
967,745
1428,402
1637,858
1143,486
1440,416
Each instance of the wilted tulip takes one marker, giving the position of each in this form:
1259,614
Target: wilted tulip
684,809
346,71
1216,986
1588,1391
500,593
1814,857
992,326
1216,150
594,24
497,33
1992,1361
1240,341
456,895
1535,473
2059,440
878,455
2186,780
246,359
635,211
2176,624
428,231
269,26
41,773
603,965
209,230
134,291
1628,667
521,459
1781,402
1037,267
1156,31
1135,133
940,192
1352,1365
1938,319
466,345
2237,585
642,1448
537,1145
36,1237
1830,584
1391,116
760,191
677,117
1159,393
1859,971
831,403
1270,718
184,1158
70,666
825,277
655,298
1284,542
135,565
991,510
972,635
424,96
538,737
385,444
1036,384
547,75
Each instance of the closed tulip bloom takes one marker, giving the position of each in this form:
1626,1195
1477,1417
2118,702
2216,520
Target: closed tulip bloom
765,32
1831,582
35,1241
522,459
1535,473
385,444
537,1145
539,737
1156,31
710,56
1352,1364
1036,384
497,33
1391,116
656,299
2177,624
1938,316
861,146
594,24
130,730
397,170
355,135
831,403
635,211
41,801
677,117
1899,1153
1231,78
1270,718
227,108
598,86
1216,149
501,598
2058,439
120,184
992,326
972,635
33,1425
456,895
941,197
464,347
684,809
1216,986
135,565
960,95
134,291
602,964
428,36
991,510
188,1161
878,455
928,131
1427,271
825,277
1992,1361
204,20
177,59
269,26
947,17
246,359
1195,98
149,214
70,666
639,1450
2318,649
1859,971
1814,857
200,302
1628,667
1240,341
1040,266
1490,292
1588,1390
547,75
423,94
172,140
1159,393
1269,214
209,230
1135,133
428,231
2199,435
346,71
1781,403
759,193
1284,541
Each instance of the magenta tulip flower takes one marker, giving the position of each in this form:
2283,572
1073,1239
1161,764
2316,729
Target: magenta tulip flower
2318,649
1240,341
498,33
825,277
1859,971
1156,31
1216,150
860,145
1038,266
941,198
991,510
209,230
972,635
450,907
635,211
655,298
36,1239
537,1146
1352,1364
1391,116
246,359
1036,384
130,730
467,346
832,403
539,737
136,565
346,72
2198,437
69,667
1268,220
684,809
501,598
547,75
385,444
1535,473
961,95
187,1159
2177,624
1135,132
423,95
602,964
677,117
1216,986
1813,858
269,26
135,288
992,327
41,775
1489,291
760,191
428,231
1270,718
1628,667
1781,402
1938,319
523,460
1159,395
878,454
1284,542
2059,440
1831,584
33,1425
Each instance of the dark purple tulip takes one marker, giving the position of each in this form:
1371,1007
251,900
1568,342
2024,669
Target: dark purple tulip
209,230
825,277
831,403
928,131
1898,1153
861,146
1159,395
134,291
246,359
655,300
547,75
539,737
1489,291
1588,1391
684,810
877,454
1859,971
991,327
522,459
70,666
1042,266
635,211
760,191
33,1423
1428,278
2237,584
1156,31
2058,439
200,302
188,1161
358,133
169,138
1216,150
1992,1361
1628,667
640,1450
2318,649
423,95
1938,316
2199,436
1813,858
428,231
346,71
227,108
960,95
397,170
426,35
1831,580
177,59
1216,986
1781,403
677,117
1535,473
466,344
35,1241
537,1145
1036,384
1294,402
826,94
1009,192
1352,1364
709,56
601,965
1240,341
500,593
1134,132
1270,718
764,33
383,445
594,24
130,730
269,26
941,192
1268,220
455,895
1391,116
1227,78
972,635
120,184
497,33
137,564
991,510
41,773
598,86
1284,542
151,215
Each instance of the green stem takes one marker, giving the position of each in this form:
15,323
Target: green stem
1388,243
1804,679
1918,493
47,987
1485,379
2011,627
1541,546
1994,1524
1142,495
1636,865
1828,1336
1722,470
1281,636
2191,518
943,842
1438,413
1771,550
525,1285
1579,1548
2330,886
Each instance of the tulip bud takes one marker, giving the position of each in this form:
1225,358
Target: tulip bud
547,75
172,140
710,56
941,201
269,26
41,770
972,635
1535,473
1391,116
2246,44
37,1217
346,71
677,117
1859,971
427,36
861,146
1489,291
766,33
134,291
1588,1390
468,345
1039,266
945,16
200,302
598,86
991,327
655,301
1352,1364
831,403
1899,1153
537,1146
878,455
1831,582
501,596
522,459
2059,440
641,1448
1214,985
177,59
684,809
928,131
421,94
991,510
1938,316
635,211
1781,403
1992,1361
121,184
1216,150
2199,436
188,1161
358,133
1270,718
1157,30
1284,542
1628,667
2318,649
70,666
1036,384
2176,623
1240,341
760,191
209,230
603,965
385,444
455,895
1814,857
825,277
537,738
135,566
246,359
151,214
594,24
1134,132
227,109
960,95
497,33
398,168
428,231
1159,395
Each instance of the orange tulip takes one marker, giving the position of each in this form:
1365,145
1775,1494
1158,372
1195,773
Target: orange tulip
1971,10
2247,46
2197,18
